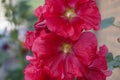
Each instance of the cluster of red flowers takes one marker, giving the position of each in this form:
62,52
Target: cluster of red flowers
63,46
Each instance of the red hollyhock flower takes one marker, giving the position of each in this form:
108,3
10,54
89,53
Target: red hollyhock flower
31,36
36,70
69,17
41,23
98,68
38,12
66,59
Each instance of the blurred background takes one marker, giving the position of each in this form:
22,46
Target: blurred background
16,17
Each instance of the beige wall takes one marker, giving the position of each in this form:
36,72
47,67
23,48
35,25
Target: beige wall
109,36
109,8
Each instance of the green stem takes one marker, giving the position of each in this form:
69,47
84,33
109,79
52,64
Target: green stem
21,57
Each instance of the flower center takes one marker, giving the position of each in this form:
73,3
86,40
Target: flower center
70,13
66,48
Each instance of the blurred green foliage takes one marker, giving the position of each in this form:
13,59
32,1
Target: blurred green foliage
19,13
22,11
15,74
35,3
3,57
14,34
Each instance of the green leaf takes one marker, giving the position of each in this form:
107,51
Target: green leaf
117,62
109,57
107,22
117,58
113,62
110,60
111,65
